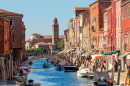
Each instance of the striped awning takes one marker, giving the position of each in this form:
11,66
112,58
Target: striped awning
123,55
80,52
107,53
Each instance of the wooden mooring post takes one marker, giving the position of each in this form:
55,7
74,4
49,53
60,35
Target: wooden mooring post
15,68
118,79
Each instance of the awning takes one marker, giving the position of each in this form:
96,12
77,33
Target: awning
120,55
61,52
73,48
110,52
123,55
80,52
97,56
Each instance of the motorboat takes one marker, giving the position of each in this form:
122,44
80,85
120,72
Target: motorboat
58,63
84,72
53,61
46,65
59,68
69,67
25,67
30,83
101,78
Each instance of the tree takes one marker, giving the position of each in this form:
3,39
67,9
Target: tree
35,50
60,45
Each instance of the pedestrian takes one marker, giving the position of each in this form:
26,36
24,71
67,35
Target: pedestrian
45,51
116,66
126,66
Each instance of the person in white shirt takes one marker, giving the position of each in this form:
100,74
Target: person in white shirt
125,66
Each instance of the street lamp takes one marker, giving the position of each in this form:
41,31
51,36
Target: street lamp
126,35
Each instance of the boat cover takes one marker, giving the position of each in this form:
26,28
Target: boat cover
98,75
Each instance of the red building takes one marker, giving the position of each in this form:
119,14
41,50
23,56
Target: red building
5,36
125,7
113,23
23,40
108,28
16,23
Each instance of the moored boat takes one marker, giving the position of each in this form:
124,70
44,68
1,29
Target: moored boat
84,72
53,61
69,67
46,65
101,78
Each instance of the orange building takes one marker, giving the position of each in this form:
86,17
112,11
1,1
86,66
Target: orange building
86,34
96,23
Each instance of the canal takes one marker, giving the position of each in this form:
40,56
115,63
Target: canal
52,77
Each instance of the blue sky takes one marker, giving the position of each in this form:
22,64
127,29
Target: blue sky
39,14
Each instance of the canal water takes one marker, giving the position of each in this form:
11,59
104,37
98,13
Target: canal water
52,77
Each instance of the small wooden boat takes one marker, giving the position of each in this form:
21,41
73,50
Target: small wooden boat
46,65
53,61
101,78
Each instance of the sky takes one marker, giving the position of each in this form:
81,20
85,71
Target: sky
39,14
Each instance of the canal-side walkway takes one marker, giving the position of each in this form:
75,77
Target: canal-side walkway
122,77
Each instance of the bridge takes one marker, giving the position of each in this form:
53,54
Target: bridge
41,55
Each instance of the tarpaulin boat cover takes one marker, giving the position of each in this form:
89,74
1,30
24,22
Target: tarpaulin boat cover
98,75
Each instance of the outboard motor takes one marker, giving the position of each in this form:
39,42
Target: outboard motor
30,81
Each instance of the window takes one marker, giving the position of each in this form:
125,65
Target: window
109,19
118,22
129,11
126,12
122,15
95,9
92,10
98,21
13,38
118,42
101,39
12,22
6,36
129,38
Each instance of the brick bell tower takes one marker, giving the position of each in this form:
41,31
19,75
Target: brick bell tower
55,31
